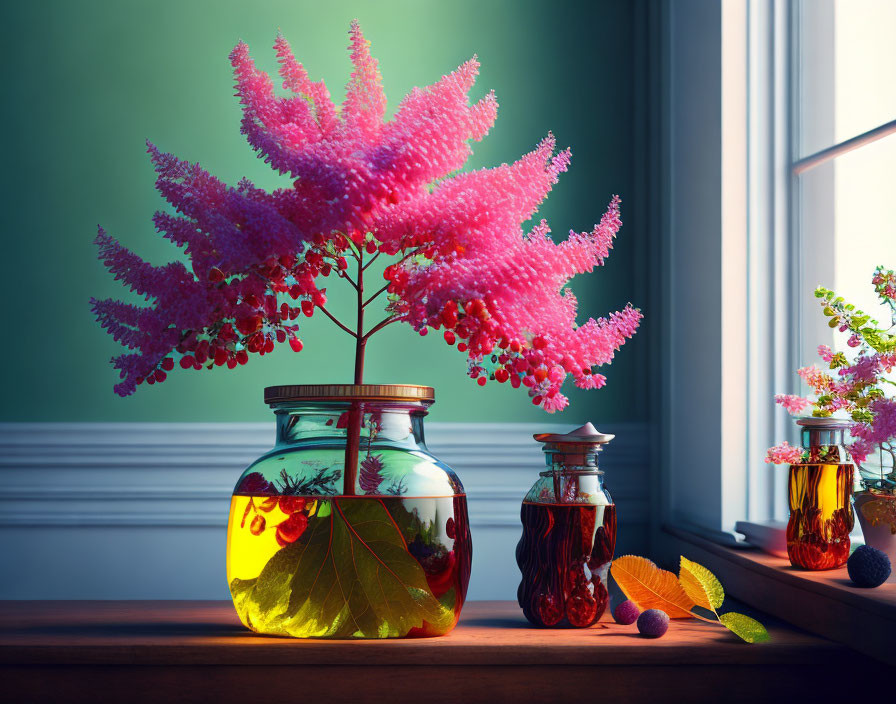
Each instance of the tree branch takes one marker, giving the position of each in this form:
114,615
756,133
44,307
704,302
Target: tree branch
335,320
341,273
376,294
372,259
380,325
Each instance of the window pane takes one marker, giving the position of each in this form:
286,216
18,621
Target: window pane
865,221
847,236
847,62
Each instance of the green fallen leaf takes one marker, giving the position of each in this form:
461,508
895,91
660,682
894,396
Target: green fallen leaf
349,575
700,584
747,628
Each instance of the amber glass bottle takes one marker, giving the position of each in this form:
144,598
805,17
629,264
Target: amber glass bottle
820,491
569,534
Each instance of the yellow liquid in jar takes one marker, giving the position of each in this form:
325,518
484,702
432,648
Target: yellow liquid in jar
348,567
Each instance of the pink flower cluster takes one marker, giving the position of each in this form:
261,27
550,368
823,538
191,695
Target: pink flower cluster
792,404
826,353
819,381
885,283
785,453
361,185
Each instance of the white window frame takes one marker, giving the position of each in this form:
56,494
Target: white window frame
704,358
772,288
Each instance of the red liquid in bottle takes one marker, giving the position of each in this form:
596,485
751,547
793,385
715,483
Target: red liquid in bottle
564,555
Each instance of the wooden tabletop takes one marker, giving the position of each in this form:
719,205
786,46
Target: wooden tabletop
208,632
164,651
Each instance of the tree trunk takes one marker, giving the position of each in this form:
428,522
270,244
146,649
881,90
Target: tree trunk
356,410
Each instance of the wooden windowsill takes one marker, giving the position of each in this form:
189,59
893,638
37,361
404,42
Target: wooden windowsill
197,651
825,603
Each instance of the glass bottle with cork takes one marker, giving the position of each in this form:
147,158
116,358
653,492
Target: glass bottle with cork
569,533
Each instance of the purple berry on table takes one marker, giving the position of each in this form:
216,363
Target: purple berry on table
868,567
626,612
653,623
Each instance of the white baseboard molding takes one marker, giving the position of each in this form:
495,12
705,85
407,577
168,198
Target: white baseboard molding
147,474
139,510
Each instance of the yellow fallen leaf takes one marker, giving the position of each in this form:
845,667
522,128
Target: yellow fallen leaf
650,587
701,585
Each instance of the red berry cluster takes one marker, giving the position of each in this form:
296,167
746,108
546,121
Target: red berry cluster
497,355
250,319
288,531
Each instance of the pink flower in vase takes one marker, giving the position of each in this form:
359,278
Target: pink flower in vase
792,404
817,379
826,353
785,453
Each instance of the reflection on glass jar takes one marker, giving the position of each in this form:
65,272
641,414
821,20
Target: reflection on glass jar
385,556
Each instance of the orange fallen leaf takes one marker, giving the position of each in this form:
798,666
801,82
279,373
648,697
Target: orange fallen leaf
650,587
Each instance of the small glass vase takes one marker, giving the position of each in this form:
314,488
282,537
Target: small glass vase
820,491
569,534
384,552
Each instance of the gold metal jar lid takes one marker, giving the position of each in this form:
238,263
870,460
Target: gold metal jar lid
825,423
349,392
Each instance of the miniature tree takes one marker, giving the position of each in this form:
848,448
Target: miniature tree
363,187
857,388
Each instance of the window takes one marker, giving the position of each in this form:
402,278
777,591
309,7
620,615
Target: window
844,166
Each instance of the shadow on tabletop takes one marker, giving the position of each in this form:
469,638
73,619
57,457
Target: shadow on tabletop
141,629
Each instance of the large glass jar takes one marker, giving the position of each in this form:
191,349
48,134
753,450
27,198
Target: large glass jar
382,551
820,489
569,534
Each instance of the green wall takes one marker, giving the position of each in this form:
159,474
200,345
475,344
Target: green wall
86,82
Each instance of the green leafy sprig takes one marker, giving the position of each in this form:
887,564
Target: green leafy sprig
866,329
